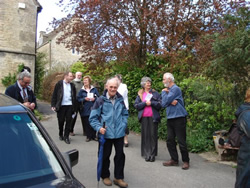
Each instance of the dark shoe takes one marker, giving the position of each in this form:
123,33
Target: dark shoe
67,141
87,139
126,145
107,182
61,138
185,166
152,158
120,183
170,163
72,134
147,159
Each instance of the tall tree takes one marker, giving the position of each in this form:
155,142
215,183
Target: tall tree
231,50
126,30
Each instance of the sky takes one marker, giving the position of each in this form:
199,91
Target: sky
50,10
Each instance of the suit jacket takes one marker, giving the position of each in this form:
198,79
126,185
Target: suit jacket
14,92
57,96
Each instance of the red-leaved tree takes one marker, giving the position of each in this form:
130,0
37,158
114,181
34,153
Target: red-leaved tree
126,30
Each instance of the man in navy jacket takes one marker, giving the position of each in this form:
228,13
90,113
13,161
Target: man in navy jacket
64,103
22,91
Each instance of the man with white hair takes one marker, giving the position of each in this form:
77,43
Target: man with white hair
78,85
110,109
22,90
176,121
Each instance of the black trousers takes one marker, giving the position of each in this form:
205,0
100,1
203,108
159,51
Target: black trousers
149,137
119,159
64,114
73,121
90,132
177,128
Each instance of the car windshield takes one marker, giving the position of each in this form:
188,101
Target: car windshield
26,158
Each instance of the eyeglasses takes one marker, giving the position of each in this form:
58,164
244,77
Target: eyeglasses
26,83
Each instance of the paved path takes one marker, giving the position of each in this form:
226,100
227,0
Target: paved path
138,173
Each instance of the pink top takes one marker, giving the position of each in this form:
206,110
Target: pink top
147,112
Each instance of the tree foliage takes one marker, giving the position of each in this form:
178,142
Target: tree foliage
129,29
228,50
232,50
39,72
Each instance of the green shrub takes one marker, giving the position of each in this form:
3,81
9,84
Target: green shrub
11,79
39,73
78,67
133,124
199,140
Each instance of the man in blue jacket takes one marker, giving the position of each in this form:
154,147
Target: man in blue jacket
176,121
111,110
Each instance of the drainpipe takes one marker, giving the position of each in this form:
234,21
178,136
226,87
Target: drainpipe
50,63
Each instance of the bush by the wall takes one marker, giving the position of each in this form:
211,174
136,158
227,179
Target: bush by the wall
48,85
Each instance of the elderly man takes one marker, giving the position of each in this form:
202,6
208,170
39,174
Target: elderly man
111,110
64,103
78,84
22,91
176,121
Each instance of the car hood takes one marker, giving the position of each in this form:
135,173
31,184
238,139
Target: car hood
60,183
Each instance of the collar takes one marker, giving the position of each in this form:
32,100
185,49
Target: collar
91,87
110,98
65,82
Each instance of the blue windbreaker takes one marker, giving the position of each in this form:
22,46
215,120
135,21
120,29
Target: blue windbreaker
115,116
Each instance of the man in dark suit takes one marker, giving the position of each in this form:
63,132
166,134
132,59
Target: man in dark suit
22,90
64,103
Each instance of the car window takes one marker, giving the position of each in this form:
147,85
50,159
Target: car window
25,157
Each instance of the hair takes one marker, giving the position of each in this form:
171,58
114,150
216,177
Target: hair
23,74
169,75
112,79
144,80
247,96
78,73
119,77
26,68
66,73
89,78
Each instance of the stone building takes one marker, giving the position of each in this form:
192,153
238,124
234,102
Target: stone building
18,25
58,56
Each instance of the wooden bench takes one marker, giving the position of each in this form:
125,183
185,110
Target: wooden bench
227,152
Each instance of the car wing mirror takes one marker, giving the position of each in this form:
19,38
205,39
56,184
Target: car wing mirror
71,157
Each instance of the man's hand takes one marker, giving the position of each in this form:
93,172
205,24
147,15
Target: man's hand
27,104
174,102
53,109
32,106
166,89
102,130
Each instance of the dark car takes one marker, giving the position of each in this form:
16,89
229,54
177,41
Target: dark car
28,156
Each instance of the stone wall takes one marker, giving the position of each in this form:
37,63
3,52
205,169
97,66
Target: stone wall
17,35
58,56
